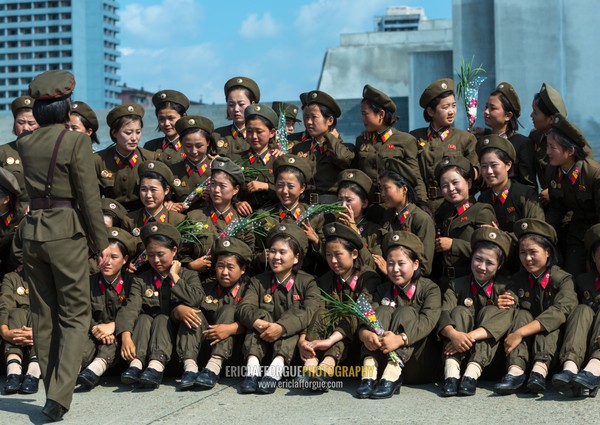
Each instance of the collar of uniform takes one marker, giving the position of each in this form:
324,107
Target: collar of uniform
196,165
147,213
290,210
285,279
223,213
124,157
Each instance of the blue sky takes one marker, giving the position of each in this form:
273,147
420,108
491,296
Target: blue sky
195,46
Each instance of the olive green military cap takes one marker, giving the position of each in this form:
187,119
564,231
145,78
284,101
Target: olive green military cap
172,96
160,229
123,236
322,98
289,229
112,208
591,237
493,235
405,239
379,98
244,82
289,111
511,94
228,166
8,182
304,99
157,167
229,245
339,230
452,161
194,122
52,85
264,111
289,160
83,109
356,176
569,130
552,100
434,89
128,109
497,142
533,226
21,102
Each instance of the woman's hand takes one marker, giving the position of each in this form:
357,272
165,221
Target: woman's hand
443,244
380,263
218,333
306,350
21,336
187,315
321,344
545,197
176,206
459,342
128,351
103,330
311,234
260,325
175,270
511,342
348,218
370,339
256,186
243,208
505,300
200,264
272,333
390,342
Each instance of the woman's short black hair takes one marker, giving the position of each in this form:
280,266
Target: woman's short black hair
119,245
399,181
513,124
121,121
434,103
465,174
168,104
164,184
189,131
502,156
243,264
492,246
553,257
294,246
354,188
389,119
292,170
537,99
578,153
163,240
358,261
48,112
262,119
327,113
88,126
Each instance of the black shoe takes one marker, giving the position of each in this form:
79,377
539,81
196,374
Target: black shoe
585,379
54,410
562,380
365,388
450,387
468,386
249,384
266,385
302,380
131,375
386,389
536,383
188,380
206,379
29,385
87,379
509,384
151,378
13,383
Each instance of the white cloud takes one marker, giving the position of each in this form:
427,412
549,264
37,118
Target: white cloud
259,27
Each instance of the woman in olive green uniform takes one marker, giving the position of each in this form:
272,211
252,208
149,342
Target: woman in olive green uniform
381,142
230,140
169,107
276,308
328,154
440,139
408,306
546,298
157,312
84,120
473,320
116,166
574,185
108,289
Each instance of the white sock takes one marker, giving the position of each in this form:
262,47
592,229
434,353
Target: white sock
156,365
136,363
253,366
369,369
515,370
473,370
275,370
571,366
34,368
451,368
190,365
15,367
540,368
98,366
214,364
593,367
392,372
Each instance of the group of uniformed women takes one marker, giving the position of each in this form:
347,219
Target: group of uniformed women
472,248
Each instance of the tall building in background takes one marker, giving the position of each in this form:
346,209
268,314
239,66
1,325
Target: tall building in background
77,35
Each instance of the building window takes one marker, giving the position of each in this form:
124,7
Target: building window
66,28
40,42
53,29
39,17
39,68
12,31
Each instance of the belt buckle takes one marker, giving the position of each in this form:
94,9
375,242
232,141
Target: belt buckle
314,198
432,192
450,272
377,196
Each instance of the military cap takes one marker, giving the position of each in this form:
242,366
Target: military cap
566,128
402,169
406,239
452,161
172,96
21,102
228,166
8,182
591,237
83,109
304,99
160,229
339,230
244,82
356,176
289,160
229,245
52,85
194,121
114,209
511,94
322,98
434,89
134,109
290,111
493,235
157,167
498,142
264,111
552,100
124,237
379,98
534,226
289,229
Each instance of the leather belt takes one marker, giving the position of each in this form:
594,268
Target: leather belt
47,203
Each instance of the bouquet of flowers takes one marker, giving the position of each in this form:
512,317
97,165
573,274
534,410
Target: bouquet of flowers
315,209
467,88
196,193
361,308
281,134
